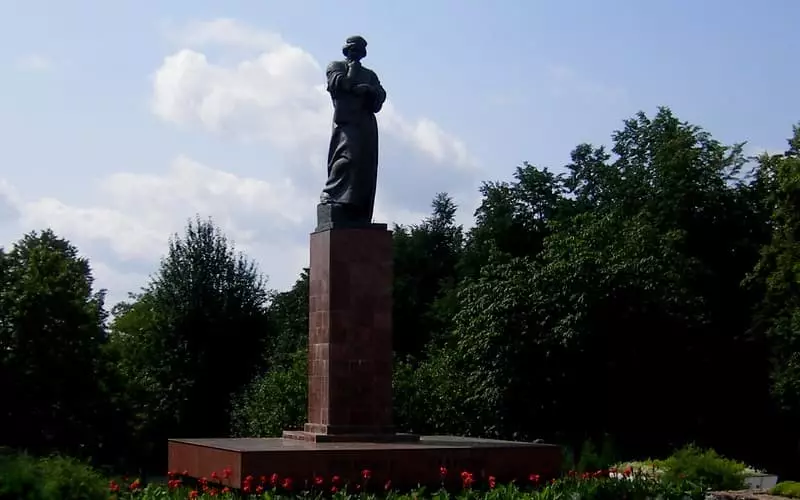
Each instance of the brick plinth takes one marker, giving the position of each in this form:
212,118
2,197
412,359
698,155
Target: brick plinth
350,335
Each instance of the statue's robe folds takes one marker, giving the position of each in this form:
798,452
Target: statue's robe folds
353,151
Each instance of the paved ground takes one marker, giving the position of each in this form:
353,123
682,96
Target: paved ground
744,495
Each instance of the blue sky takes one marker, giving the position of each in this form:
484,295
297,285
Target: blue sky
122,119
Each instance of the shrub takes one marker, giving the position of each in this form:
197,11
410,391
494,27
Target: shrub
591,460
704,467
23,477
789,489
273,402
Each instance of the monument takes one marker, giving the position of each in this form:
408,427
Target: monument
349,427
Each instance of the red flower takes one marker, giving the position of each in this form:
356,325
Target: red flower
113,486
135,484
466,479
273,480
492,482
259,489
388,485
335,479
318,481
193,494
287,483
246,488
534,478
334,489
214,475
213,492
248,479
226,490
443,472
366,474
171,474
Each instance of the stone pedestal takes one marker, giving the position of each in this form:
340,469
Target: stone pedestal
350,336
349,425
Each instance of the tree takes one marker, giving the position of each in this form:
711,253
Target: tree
288,315
195,336
274,402
51,338
425,260
618,268
777,275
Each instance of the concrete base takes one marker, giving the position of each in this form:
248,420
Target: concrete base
406,464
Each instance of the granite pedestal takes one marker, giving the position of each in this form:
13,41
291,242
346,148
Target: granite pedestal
350,337
404,464
350,426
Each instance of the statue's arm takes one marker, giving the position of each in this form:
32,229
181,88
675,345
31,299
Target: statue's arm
337,74
380,93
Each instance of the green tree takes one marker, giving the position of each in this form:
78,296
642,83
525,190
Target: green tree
274,402
288,315
195,336
426,256
777,274
51,339
612,275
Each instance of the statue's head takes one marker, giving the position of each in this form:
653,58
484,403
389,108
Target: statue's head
355,48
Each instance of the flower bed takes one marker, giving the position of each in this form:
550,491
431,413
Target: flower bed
596,485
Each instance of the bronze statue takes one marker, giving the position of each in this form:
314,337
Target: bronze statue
349,194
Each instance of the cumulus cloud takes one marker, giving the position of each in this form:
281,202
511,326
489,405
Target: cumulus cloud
275,92
135,214
242,84
127,229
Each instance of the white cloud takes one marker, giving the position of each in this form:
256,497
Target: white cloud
277,95
135,214
35,62
261,89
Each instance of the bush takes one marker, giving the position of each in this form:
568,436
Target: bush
591,460
704,467
273,402
789,489
23,477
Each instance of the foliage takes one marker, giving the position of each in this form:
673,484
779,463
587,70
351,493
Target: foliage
51,478
591,459
196,333
426,256
51,341
273,402
288,316
704,467
778,271
790,489
430,396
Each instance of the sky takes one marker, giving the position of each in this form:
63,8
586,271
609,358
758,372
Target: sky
121,120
